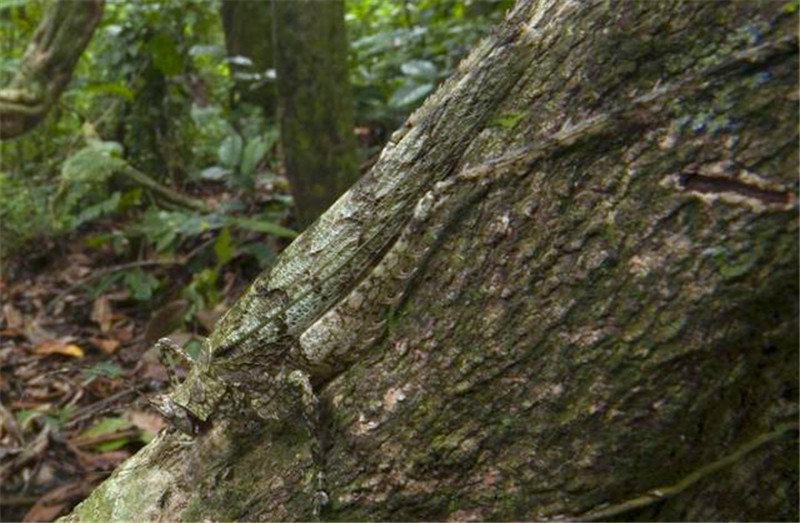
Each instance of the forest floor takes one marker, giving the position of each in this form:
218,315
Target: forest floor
77,364
78,321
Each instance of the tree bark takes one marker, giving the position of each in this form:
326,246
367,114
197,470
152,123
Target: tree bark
46,67
568,289
315,103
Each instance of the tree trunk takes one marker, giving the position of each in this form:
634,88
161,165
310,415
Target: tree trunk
316,106
46,67
248,34
568,289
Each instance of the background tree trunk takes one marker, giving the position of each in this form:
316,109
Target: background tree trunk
248,33
47,65
316,105
586,304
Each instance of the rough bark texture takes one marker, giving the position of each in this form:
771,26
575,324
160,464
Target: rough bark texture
316,106
248,33
46,67
589,312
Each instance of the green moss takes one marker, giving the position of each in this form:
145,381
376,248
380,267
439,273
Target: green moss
732,266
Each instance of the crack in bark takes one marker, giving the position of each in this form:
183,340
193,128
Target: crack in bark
692,181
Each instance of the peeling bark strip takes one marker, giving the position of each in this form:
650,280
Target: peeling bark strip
46,67
529,322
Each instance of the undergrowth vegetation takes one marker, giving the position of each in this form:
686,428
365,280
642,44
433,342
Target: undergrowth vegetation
145,156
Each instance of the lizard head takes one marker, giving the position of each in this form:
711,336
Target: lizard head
178,416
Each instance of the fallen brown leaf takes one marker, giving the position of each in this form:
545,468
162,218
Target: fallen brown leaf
52,346
101,313
14,318
106,346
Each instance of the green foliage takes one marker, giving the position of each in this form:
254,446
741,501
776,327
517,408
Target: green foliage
141,284
55,417
240,153
107,427
23,213
83,195
107,369
400,51
152,91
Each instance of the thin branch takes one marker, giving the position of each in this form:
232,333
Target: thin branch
659,494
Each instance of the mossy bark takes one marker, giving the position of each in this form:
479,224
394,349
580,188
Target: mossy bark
46,67
600,315
315,103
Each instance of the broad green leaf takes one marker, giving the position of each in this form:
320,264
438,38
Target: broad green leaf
230,151
97,210
108,426
253,152
261,226
410,94
105,426
114,444
224,247
422,69
91,164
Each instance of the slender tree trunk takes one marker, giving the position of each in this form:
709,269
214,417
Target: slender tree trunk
46,67
316,106
248,34
568,289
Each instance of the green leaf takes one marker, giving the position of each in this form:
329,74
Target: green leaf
214,173
410,94
108,426
262,226
253,152
26,416
61,416
507,120
117,89
165,54
92,164
104,368
422,69
230,151
105,426
97,210
113,444
224,247
140,284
